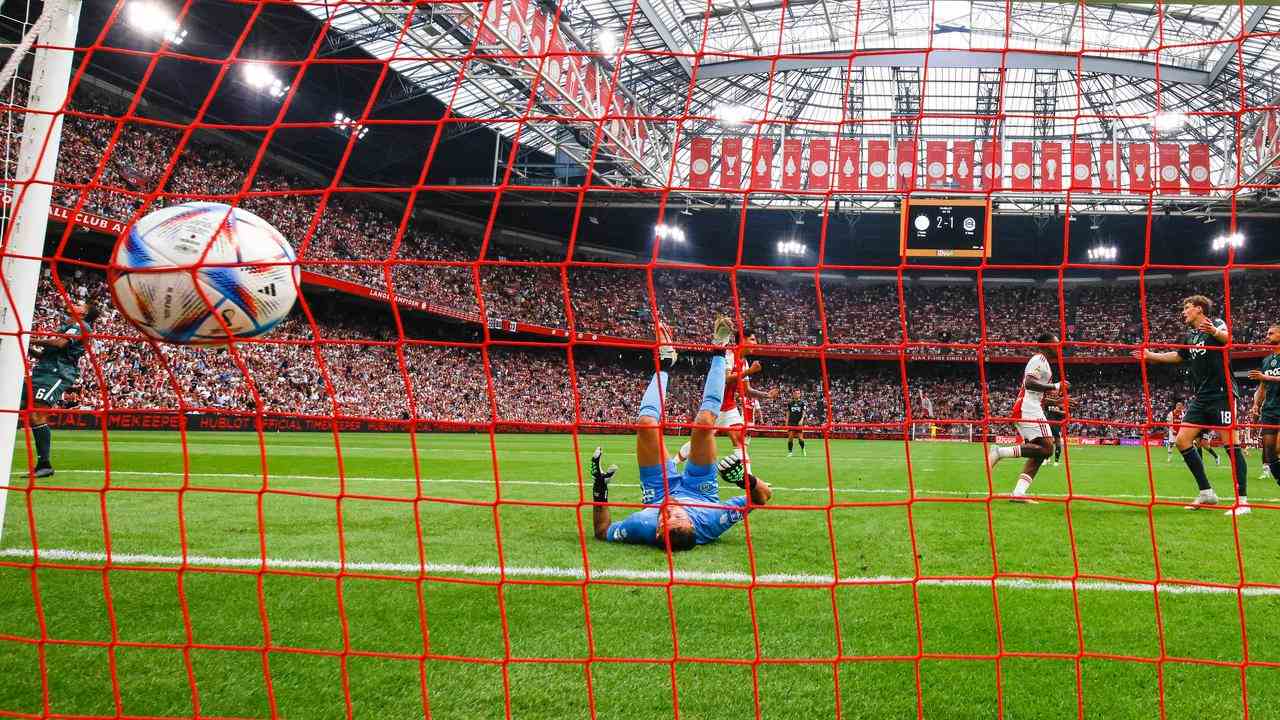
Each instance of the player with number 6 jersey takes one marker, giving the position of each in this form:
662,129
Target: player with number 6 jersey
57,369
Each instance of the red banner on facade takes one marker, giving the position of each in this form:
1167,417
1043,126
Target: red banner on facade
1021,174
731,163
1082,166
1140,167
877,165
1051,166
700,163
1108,168
935,163
1198,169
791,151
819,164
962,166
992,166
1170,156
906,165
762,164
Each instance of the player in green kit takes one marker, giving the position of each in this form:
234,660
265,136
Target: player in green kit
1213,391
57,369
1266,402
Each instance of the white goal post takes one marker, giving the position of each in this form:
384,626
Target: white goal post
22,241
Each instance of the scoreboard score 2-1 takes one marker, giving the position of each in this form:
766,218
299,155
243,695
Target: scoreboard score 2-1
936,227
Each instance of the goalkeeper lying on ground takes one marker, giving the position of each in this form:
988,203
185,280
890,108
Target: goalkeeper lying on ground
692,512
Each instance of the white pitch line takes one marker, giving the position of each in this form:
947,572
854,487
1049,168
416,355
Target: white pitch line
550,483
575,573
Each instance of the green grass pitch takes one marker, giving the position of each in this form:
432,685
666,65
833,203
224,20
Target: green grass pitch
480,625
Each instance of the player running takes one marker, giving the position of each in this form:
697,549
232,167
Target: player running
57,369
795,419
1030,418
1266,403
684,509
1209,406
738,384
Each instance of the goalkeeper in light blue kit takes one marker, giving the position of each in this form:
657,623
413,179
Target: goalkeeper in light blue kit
692,513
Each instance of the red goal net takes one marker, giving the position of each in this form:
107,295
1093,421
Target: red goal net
955,236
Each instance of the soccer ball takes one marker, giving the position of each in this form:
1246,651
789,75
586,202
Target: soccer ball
201,272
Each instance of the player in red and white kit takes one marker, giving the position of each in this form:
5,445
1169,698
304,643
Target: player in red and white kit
1030,418
1175,423
738,390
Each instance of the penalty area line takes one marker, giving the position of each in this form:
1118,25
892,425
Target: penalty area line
576,573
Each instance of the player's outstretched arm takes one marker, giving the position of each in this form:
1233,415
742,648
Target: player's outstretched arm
600,516
1173,357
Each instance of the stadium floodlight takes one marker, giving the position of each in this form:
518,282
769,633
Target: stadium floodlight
607,40
669,232
1103,253
792,248
347,124
259,77
1234,241
152,18
1167,121
733,114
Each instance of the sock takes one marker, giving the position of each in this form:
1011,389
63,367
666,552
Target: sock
1024,484
1195,464
802,443
1211,451
1057,451
1275,469
1242,471
1009,451
43,437
651,404
790,445
713,389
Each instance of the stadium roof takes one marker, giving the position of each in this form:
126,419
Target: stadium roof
924,69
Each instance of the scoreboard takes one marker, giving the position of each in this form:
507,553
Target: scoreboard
936,227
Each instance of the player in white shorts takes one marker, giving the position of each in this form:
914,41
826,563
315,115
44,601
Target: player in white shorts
1030,418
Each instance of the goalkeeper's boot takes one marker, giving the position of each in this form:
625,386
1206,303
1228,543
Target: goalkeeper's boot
600,478
723,333
43,469
1204,499
667,355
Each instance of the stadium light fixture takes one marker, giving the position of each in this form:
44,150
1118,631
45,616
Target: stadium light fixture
1234,241
1167,121
733,114
259,77
152,19
792,248
607,40
347,124
1103,253
669,232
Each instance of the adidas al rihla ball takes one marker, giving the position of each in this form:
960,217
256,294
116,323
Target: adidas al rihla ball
201,272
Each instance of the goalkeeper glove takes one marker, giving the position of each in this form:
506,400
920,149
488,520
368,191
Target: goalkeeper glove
732,469
600,478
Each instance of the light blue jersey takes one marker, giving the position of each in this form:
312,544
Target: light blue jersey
697,492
